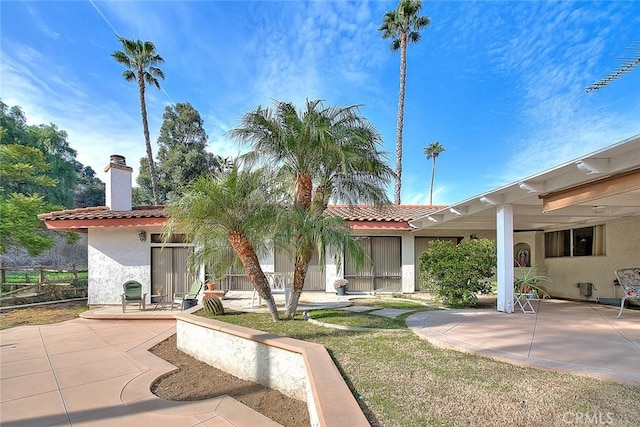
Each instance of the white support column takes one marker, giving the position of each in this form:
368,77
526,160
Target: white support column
504,237
408,281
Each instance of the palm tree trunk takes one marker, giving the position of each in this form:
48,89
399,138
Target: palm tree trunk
433,175
249,259
303,258
303,187
147,139
400,121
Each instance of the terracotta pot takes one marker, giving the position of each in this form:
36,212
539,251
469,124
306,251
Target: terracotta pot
211,286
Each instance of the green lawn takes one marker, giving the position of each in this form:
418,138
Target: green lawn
400,379
365,320
50,277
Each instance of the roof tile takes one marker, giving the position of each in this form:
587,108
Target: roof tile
391,213
103,212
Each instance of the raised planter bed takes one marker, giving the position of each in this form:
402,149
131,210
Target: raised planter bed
298,369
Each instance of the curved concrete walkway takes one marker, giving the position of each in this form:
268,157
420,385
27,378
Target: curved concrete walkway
87,372
582,338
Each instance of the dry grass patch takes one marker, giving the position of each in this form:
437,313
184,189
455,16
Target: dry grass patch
42,315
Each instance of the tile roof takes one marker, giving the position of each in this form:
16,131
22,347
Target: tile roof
103,212
391,213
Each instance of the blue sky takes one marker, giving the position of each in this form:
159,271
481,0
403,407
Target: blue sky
500,84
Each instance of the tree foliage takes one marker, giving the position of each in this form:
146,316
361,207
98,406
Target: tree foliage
23,169
62,163
140,60
233,211
457,273
20,226
323,153
432,151
38,173
402,26
90,190
182,155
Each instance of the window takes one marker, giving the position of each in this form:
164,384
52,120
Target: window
174,238
383,269
586,241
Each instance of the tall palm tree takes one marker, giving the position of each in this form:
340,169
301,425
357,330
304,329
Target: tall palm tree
141,60
402,25
324,152
432,152
234,210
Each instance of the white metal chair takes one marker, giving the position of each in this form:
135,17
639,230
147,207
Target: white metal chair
279,284
523,300
629,279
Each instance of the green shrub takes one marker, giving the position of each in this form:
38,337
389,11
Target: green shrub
457,273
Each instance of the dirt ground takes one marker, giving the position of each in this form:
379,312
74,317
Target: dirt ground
195,380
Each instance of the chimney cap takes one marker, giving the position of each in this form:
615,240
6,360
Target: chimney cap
117,161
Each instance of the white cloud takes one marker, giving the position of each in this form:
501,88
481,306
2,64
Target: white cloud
95,130
553,62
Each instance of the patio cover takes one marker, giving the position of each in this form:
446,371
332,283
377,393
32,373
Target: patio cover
595,188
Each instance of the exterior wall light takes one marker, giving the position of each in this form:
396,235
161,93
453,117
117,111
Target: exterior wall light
142,235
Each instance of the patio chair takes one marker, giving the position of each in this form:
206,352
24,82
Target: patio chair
187,299
280,283
629,279
132,292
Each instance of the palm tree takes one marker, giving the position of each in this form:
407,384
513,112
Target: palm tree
234,210
141,60
324,152
432,152
402,26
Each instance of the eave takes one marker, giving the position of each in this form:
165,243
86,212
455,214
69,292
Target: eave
371,225
83,225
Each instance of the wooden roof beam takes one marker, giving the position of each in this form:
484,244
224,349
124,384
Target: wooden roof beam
611,186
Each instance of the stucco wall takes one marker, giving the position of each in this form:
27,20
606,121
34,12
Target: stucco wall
298,369
270,366
622,250
116,255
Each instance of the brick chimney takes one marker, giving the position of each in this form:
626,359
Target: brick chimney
118,187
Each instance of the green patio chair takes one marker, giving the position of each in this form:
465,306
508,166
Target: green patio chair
132,292
187,299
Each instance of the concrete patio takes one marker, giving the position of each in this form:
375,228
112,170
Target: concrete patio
87,372
582,338
96,371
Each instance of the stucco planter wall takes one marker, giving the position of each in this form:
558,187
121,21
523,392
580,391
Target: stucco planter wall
245,358
298,369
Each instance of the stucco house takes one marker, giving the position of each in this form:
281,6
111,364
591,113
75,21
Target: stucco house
125,243
575,223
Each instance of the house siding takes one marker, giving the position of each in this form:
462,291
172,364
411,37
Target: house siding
622,250
116,255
